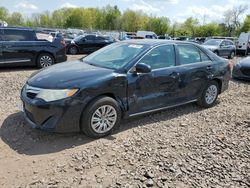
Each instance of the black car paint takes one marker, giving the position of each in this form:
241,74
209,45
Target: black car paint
88,46
25,53
136,93
242,69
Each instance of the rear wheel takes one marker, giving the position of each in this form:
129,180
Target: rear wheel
73,50
231,56
101,117
209,95
45,60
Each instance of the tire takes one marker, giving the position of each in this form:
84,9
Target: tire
93,123
231,56
73,50
209,95
45,60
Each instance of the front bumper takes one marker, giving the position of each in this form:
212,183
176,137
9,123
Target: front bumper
59,116
237,73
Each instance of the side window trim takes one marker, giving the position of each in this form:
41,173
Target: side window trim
177,54
138,61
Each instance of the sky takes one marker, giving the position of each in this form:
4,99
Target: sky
176,10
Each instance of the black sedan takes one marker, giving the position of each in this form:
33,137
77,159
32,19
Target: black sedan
86,44
122,80
242,69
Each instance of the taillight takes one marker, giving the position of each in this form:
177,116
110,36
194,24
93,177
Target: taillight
63,42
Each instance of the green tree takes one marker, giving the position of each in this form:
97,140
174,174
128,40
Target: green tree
4,13
246,25
16,19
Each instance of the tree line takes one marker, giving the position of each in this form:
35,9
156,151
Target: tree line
111,18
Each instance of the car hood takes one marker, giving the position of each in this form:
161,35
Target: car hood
245,62
210,46
75,74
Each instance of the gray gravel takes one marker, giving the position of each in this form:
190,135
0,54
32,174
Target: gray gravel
185,146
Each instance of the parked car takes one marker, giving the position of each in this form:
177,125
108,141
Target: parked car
122,80
88,43
243,44
22,47
164,37
224,48
146,34
242,69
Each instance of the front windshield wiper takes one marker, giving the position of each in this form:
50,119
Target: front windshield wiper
96,65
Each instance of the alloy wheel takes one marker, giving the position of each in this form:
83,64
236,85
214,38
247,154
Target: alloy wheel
46,61
104,119
211,94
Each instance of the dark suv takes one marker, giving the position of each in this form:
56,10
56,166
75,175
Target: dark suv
22,47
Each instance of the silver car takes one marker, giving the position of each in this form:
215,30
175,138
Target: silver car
221,47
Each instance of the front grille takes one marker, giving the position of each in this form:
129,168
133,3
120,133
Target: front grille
31,92
245,71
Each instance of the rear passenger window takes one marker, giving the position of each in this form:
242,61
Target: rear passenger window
160,57
18,35
188,54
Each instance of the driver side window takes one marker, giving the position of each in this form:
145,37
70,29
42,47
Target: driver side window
160,57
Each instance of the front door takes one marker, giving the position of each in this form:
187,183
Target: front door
17,47
158,88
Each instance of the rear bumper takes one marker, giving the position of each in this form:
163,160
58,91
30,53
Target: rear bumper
61,58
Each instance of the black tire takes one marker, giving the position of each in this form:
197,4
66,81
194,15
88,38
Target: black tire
204,99
231,56
73,50
90,113
45,60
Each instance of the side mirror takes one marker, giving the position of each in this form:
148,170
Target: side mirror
142,68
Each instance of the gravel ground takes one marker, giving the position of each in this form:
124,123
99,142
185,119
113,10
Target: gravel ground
185,146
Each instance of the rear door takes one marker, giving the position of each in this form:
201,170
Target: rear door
18,47
243,41
1,47
194,68
158,88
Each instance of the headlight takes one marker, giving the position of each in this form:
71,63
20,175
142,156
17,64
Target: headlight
55,94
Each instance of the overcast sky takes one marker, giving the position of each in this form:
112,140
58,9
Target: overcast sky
176,10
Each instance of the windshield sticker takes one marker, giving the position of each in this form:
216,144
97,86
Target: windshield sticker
135,46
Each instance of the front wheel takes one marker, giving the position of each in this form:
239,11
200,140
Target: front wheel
101,117
209,95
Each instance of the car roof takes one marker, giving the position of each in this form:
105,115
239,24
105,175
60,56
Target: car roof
18,28
155,42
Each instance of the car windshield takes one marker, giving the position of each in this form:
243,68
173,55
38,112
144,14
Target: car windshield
78,38
114,56
212,42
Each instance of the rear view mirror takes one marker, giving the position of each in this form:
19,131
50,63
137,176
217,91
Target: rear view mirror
142,68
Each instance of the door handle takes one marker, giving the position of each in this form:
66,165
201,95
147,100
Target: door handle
175,75
7,46
209,67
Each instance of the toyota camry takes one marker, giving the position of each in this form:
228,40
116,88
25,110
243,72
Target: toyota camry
122,80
